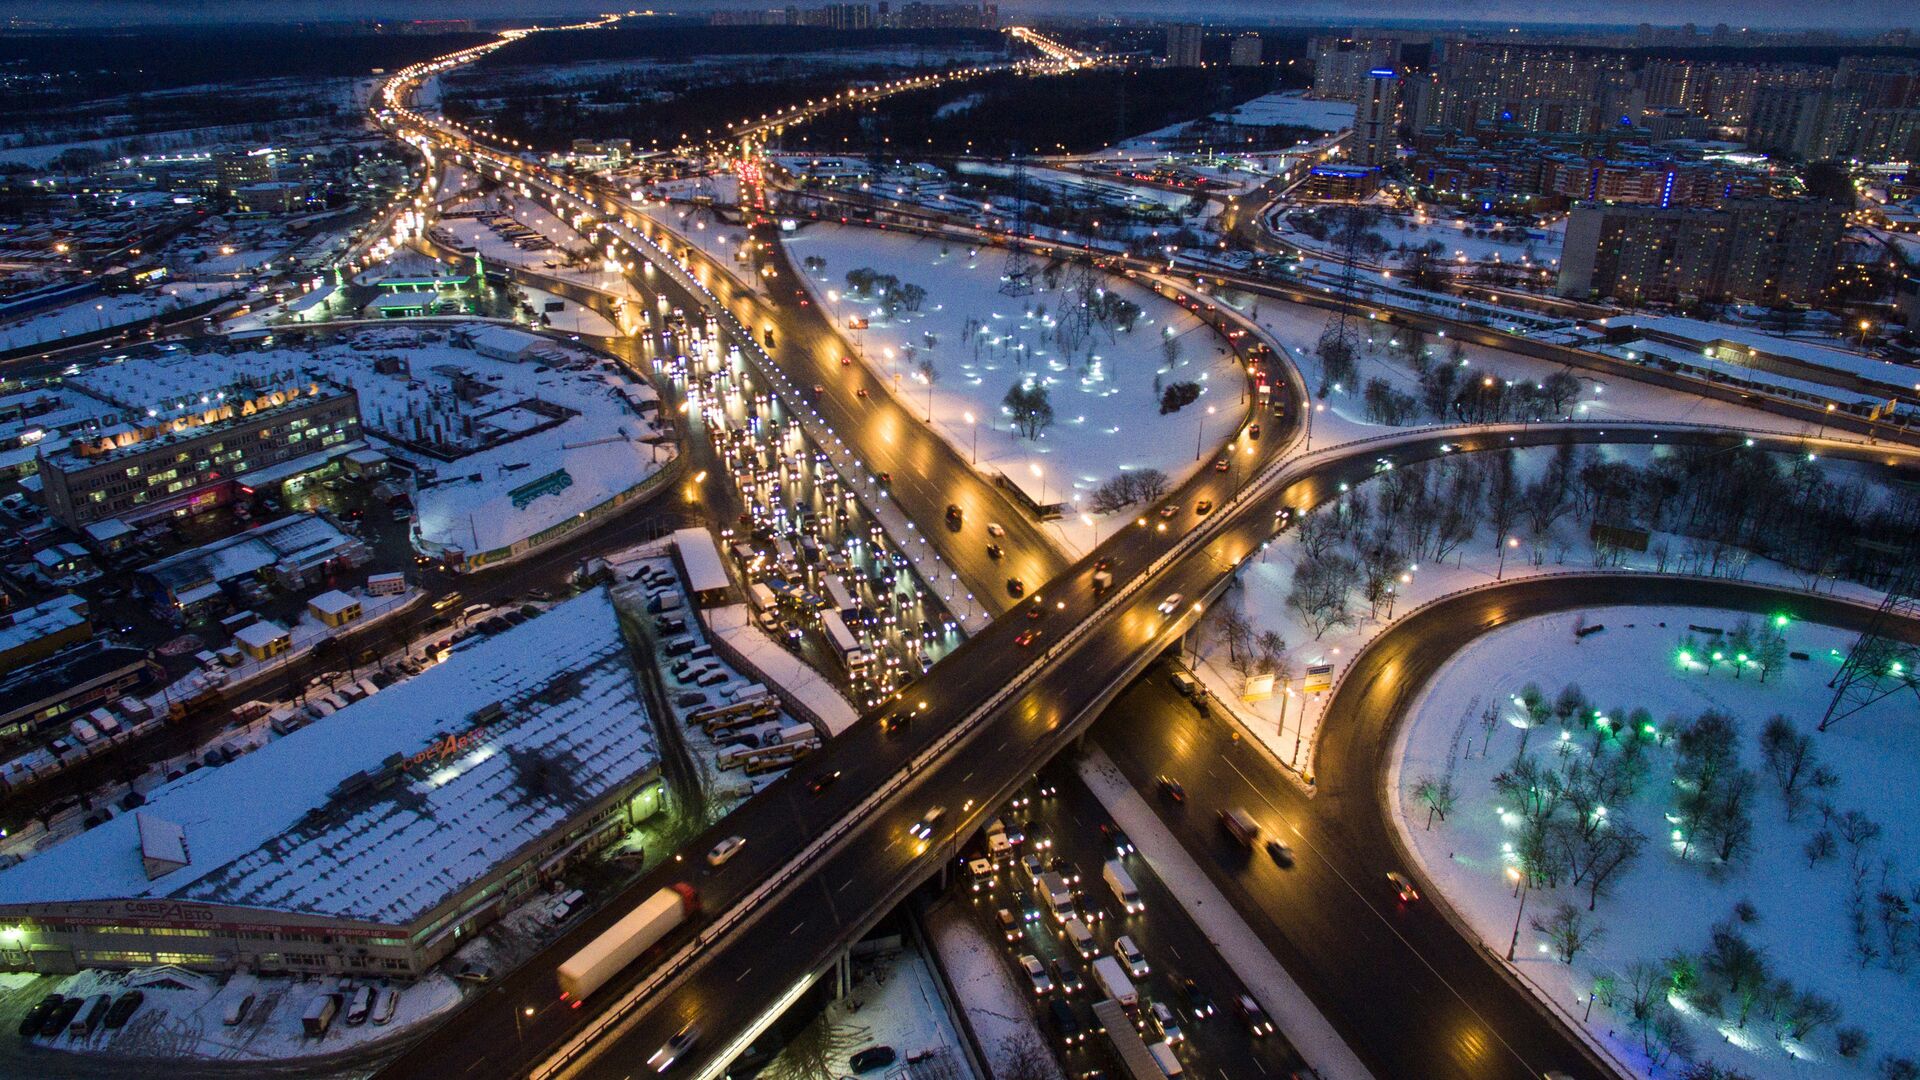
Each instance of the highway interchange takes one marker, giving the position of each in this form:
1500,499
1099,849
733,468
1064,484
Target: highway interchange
818,869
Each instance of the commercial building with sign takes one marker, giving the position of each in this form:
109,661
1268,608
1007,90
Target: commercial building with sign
373,842
195,426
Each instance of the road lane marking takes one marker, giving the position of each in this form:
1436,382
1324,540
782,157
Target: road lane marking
796,927
743,975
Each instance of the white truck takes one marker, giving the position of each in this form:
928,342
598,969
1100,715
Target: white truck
1114,982
623,942
1054,890
1123,888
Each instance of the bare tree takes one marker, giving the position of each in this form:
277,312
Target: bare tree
1438,795
1568,931
1319,592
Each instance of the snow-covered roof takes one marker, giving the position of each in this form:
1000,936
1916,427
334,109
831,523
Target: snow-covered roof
798,683
332,602
260,634
701,557
107,529
163,845
47,617
398,802
303,539
501,341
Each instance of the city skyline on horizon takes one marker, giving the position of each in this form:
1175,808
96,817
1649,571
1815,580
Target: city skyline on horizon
1772,15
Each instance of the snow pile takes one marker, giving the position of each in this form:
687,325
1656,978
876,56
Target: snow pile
1774,962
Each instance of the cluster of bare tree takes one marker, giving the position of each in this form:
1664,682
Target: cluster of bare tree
1731,504
1133,486
1567,834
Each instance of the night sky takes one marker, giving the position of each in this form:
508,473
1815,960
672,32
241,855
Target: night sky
1844,14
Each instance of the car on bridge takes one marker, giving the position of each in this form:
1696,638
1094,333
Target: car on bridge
923,829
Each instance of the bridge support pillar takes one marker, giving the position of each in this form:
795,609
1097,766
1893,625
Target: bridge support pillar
842,974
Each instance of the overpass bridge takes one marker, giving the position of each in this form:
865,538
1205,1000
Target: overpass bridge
819,869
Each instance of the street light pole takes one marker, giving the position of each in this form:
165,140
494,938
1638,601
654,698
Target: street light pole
1526,886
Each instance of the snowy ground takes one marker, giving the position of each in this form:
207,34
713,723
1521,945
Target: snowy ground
894,1001
105,312
1287,722
999,1011
1107,417
187,1022
1341,417
1535,247
1667,902
1239,946
1291,107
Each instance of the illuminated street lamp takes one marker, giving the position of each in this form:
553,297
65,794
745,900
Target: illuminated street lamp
1512,542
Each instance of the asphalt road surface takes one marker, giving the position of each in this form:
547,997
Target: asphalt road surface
1411,995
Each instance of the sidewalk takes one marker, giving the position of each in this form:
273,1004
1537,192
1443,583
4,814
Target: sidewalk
1236,942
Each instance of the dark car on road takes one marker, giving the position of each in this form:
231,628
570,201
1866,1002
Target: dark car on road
871,1058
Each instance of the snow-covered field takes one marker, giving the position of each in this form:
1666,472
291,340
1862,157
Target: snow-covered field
1460,239
105,312
1342,415
980,343
1291,107
1287,722
1734,949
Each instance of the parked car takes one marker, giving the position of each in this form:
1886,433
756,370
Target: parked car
359,1006
62,1015
123,1009
36,1016
871,1058
384,1005
237,1012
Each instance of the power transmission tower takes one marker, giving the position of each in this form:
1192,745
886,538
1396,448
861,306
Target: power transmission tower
1880,664
1338,337
1017,277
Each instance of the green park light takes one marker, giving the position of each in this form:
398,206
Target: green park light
1781,621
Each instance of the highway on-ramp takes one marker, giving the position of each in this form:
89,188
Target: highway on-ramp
1410,993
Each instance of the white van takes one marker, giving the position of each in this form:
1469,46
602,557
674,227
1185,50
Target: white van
1163,1057
1080,938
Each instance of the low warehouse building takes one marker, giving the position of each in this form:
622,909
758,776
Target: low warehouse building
374,842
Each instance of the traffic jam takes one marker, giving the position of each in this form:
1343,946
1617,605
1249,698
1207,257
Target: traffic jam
1087,928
